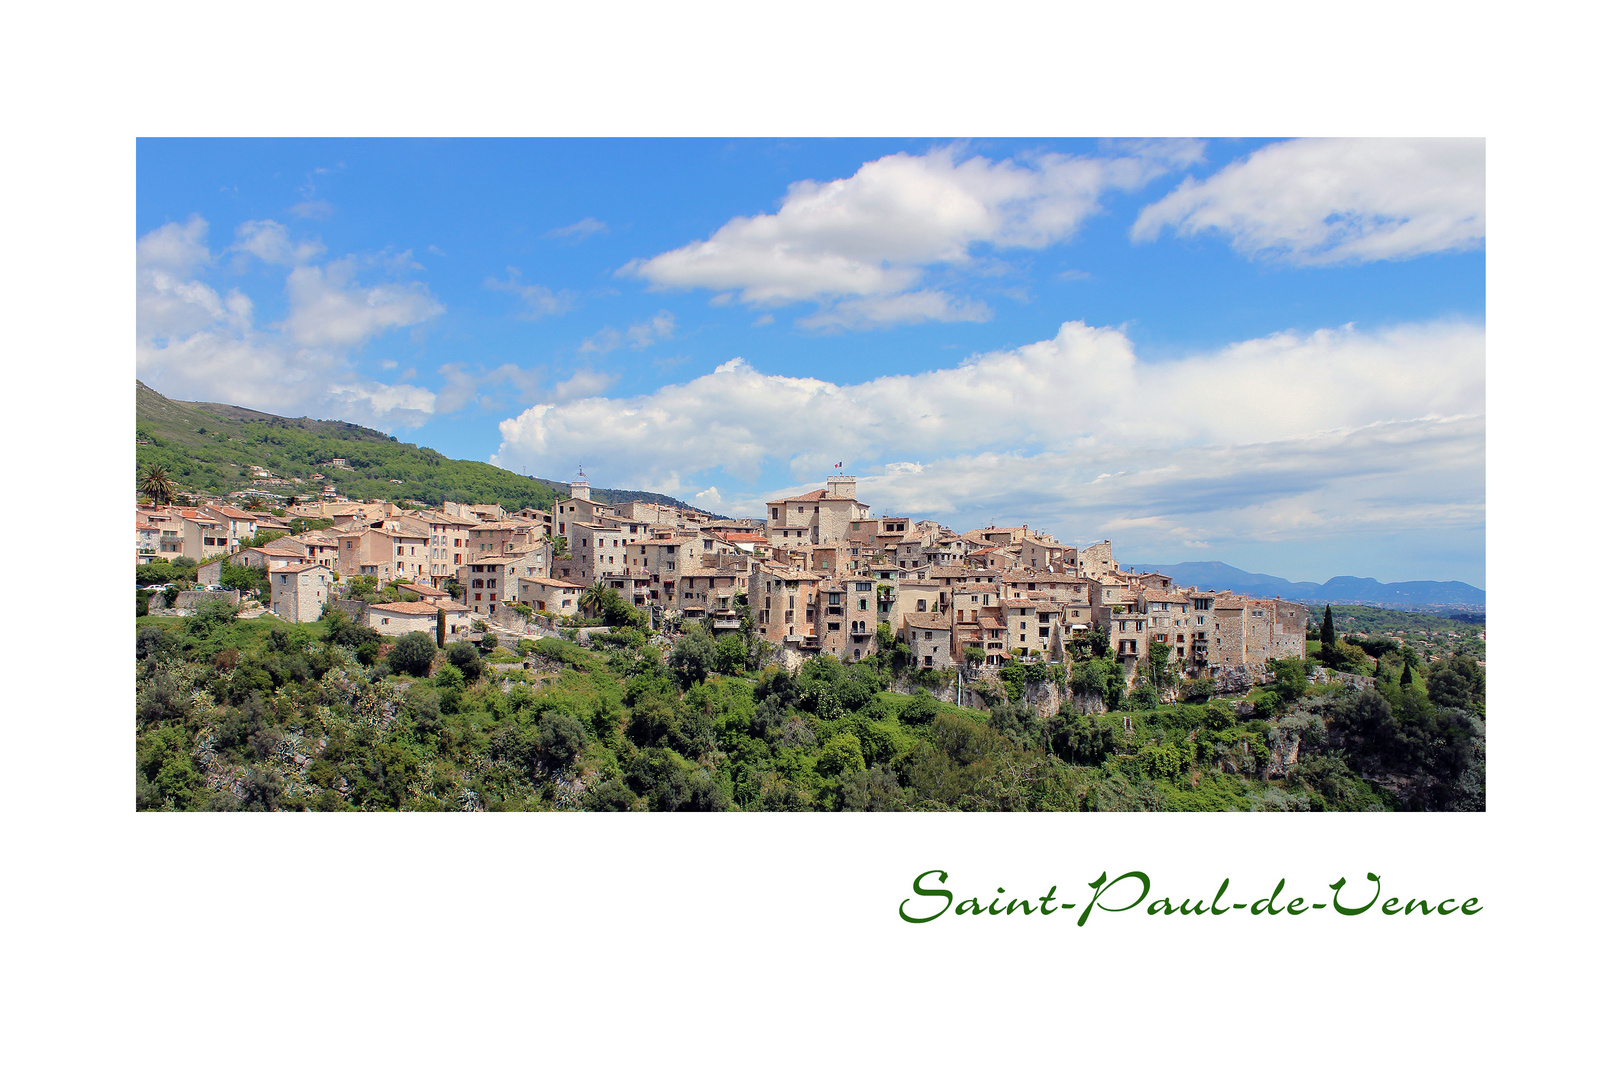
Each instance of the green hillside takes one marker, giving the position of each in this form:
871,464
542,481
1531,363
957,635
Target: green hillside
211,448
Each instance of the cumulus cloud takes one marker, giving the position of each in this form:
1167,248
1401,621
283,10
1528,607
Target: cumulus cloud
538,301
192,342
270,241
1276,434
326,308
878,232
1327,201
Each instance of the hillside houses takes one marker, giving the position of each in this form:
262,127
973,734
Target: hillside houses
818,575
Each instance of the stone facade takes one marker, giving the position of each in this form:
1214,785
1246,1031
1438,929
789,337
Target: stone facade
298,592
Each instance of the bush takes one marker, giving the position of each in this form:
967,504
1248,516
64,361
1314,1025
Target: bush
692,658
412,654
919,709
466,660
488,643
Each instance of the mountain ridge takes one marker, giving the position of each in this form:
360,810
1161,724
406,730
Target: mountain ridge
1340,589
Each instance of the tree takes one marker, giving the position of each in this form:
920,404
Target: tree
1291,678
412,654
558,740
920,709
595,598
841,753
1329,636
488,643
731,654
441,628
692,658
157,486
1457,683
464,657
559,547
1158,665
1406,675
1013,677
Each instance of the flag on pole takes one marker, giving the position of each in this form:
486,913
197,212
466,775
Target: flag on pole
840,465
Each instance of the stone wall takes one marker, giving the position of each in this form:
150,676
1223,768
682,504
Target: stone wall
187,601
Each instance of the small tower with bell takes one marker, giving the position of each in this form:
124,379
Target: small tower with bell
579,487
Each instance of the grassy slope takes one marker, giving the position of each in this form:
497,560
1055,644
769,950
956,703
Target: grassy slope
209,448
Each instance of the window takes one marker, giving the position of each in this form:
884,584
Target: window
922,605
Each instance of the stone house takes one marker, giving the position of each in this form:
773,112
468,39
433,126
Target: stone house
820,516
779,598
239,524
549,596
1034,625
711,590
203,535
929,636
298,591
398,619
1250,631
496,581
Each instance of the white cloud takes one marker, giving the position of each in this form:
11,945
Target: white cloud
1325,201
635,336
193,343
174,248
875,234
269,240
1275,435
327,310
579,230
538,301
869,312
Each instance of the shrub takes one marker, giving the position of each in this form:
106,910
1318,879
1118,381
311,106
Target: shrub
412,654
919,709
466,660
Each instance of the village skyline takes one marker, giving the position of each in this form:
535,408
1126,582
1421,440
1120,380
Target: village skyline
1268,353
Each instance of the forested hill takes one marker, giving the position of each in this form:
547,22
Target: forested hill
211,448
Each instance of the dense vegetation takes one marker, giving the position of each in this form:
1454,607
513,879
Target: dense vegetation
1424,634
258,714
211,449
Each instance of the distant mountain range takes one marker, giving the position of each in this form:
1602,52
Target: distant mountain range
1347,590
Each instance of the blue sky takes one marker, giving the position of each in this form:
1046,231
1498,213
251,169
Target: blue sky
1267,353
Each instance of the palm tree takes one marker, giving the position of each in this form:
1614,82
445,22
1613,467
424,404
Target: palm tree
596,597
157,486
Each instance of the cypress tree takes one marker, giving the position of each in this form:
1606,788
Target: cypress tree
1406,674
1328,635
441,628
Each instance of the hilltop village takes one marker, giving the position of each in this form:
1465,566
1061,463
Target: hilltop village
818,575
